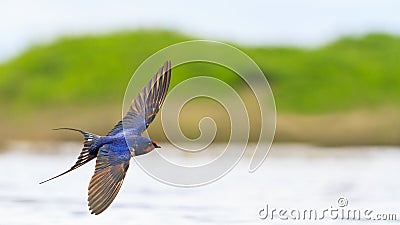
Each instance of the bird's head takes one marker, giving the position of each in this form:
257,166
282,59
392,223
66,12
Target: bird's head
144,145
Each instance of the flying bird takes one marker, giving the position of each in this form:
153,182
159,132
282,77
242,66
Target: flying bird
124,141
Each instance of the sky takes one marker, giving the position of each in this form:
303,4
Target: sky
24,23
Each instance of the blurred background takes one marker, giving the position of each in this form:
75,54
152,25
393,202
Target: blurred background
333,67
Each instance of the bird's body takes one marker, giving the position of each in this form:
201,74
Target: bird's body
114,151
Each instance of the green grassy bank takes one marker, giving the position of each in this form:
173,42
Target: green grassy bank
80,81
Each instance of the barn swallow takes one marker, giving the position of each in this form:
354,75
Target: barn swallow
124,141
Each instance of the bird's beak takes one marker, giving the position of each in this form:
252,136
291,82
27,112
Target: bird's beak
157,146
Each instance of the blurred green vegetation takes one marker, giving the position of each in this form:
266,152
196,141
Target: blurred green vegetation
350,86
350,73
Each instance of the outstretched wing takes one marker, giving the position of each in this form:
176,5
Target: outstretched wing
111,167
147,102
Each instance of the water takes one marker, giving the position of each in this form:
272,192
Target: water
292,177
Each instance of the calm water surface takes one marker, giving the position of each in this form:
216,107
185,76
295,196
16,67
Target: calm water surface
292,177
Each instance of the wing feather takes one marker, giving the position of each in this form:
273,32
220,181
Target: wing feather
107,180
147,102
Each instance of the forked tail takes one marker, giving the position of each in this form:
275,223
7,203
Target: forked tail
89,151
